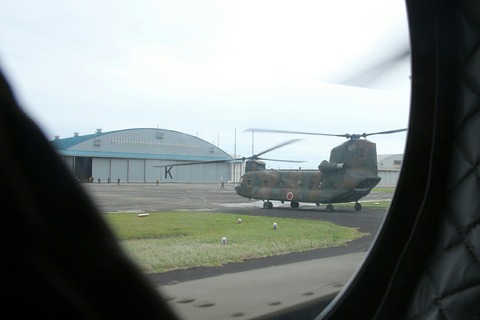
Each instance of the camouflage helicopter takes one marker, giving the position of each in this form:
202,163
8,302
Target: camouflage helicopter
349,175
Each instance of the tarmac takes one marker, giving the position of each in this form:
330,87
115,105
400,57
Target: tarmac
267,290
256,287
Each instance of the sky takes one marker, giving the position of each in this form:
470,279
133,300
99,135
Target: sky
212,69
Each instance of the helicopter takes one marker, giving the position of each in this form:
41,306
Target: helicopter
349,175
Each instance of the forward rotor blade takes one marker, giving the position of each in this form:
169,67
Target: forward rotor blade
276,147
199,162
385,132
254,157
278,160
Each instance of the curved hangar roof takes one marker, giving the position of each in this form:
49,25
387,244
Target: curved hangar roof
145,143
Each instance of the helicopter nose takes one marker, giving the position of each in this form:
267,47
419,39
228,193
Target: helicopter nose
240,189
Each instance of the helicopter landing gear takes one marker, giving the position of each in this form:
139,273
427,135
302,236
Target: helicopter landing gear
329,207
294,204
358,206
267,205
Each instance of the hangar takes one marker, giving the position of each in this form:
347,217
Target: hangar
132,155
389,166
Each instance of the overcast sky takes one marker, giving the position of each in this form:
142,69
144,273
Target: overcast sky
210,69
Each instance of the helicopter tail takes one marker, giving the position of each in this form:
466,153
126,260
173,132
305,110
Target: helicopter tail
356,154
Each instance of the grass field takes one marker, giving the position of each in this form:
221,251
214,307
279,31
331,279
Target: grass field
383,189
165,241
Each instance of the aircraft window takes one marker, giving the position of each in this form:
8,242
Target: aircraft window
165,65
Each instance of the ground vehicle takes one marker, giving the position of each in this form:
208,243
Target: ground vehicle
436,204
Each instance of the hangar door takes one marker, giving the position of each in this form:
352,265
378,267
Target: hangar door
119,169
136,170
101,169
82,168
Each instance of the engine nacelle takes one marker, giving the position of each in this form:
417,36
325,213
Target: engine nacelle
329,167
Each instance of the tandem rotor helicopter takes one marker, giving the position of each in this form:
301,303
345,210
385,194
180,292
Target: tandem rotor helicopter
349,175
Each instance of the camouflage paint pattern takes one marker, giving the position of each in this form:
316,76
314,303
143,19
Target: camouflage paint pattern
349,175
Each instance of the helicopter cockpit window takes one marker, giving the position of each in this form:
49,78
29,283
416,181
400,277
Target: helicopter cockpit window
291,99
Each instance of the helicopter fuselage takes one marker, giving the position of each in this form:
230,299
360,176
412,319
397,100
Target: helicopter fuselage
350,175
307,186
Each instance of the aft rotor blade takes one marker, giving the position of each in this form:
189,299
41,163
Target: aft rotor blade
296,132
385,132
347,135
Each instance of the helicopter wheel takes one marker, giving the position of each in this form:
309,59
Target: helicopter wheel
329,207
267,205
358,206
294,204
